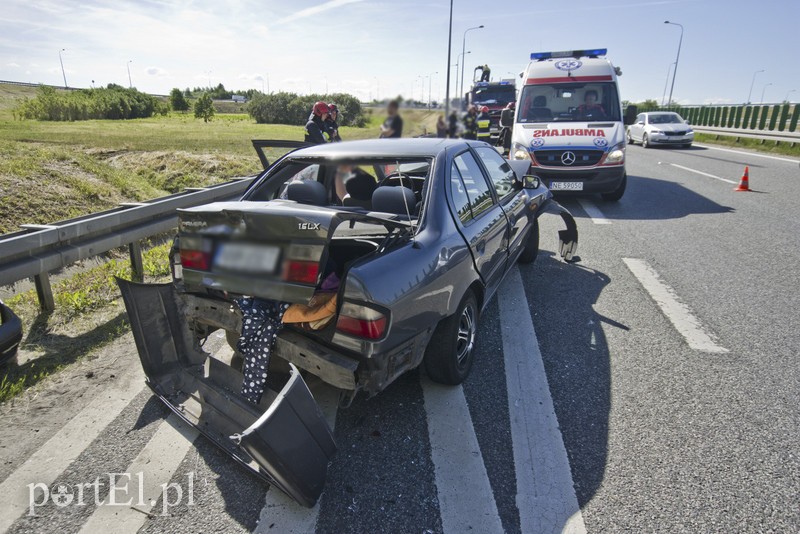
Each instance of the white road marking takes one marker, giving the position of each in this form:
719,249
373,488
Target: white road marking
593,212
750,154
703,173
678,313
156,462
545,493
466,500
280,513
52,458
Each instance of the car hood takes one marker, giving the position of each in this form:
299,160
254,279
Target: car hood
574,135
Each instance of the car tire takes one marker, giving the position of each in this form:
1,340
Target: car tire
450,352
646,141
531,249
629,138
617,193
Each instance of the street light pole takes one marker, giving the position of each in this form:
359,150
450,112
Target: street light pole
130,83
462,58
666,82
449,47
463,51
752,83
675,72
63,72
764,89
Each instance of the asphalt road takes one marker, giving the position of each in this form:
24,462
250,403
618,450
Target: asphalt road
652,386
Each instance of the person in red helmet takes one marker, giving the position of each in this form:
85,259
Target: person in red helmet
484,123
315,127
332,124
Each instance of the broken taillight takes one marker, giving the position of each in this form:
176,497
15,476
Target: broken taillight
195,253
361,321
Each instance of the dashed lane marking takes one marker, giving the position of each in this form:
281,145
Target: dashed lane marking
703,173
545,492
593,212
678,313
466,500
52,458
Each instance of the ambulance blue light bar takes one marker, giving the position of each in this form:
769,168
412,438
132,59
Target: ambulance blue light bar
539,56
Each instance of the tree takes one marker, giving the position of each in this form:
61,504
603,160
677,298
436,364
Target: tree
177,101
204,108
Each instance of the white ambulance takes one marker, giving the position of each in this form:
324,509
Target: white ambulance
569,123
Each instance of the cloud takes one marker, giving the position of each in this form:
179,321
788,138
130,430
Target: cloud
13,65
315,10
156,71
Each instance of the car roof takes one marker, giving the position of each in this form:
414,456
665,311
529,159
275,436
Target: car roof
660,113
427,147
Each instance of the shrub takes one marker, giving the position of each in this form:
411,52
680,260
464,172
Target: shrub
112,102
177,100
289,108
204,108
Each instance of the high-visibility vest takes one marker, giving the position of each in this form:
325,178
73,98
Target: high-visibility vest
483,128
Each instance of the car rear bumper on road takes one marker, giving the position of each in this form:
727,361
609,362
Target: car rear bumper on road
593,180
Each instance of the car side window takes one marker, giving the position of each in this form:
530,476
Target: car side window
640,118
459,193
500,172
480,196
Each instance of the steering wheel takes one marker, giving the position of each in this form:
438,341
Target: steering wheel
412,182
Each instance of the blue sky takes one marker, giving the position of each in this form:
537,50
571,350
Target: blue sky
380,47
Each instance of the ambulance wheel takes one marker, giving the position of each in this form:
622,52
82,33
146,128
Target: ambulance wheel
646,141
617,193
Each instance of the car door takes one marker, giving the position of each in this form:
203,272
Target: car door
483,222
511,199
637,128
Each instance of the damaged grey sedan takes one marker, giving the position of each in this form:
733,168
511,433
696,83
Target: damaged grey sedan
354,262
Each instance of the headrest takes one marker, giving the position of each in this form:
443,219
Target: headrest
539,102
394,199
307,192
360,186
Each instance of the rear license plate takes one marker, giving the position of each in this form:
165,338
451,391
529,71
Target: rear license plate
566,186
245,257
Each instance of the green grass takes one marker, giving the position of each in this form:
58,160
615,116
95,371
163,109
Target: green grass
770,147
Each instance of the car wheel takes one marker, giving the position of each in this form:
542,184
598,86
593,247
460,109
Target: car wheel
629,138
531,249
617,193
645,141
448,358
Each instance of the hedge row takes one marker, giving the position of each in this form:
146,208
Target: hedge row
290,108
113,102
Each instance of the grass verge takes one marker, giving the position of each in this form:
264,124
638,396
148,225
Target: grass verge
769,147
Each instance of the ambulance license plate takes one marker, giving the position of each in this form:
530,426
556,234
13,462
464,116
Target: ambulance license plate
566,186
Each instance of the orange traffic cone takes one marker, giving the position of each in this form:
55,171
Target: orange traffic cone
744,183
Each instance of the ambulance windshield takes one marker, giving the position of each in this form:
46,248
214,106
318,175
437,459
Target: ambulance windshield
569,102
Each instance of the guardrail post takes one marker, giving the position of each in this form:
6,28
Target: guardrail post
44,292
137,265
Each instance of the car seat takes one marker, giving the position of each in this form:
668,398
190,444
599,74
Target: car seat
307,192
398,199
360,188
539,110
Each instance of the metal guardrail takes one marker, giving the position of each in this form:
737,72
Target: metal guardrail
37,250
766,135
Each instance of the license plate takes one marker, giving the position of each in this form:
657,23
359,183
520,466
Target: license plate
245,257
566,186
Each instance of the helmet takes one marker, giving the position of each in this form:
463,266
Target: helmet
332,108
320,108
485,109
511,105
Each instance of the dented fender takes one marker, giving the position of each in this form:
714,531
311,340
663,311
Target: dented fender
568,238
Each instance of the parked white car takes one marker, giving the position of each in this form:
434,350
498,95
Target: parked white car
660,128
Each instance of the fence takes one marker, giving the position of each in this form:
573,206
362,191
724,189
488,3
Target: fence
761,117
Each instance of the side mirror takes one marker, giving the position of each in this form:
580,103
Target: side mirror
531,181
630,115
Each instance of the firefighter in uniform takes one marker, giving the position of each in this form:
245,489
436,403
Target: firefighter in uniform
332,124
315,127
470,122
484,122
506,123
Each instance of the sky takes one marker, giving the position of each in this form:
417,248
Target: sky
382,48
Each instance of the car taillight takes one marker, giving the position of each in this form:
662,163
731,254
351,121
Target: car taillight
195,253
361,321
305,272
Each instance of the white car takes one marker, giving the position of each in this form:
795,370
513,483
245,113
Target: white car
660,128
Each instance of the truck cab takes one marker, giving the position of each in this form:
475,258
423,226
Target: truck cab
569,123
495,96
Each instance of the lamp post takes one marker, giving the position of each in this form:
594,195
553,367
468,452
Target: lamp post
764,89
787,94
63,73
752,83
463,52
449,49
666,82
462,58
130,83
675,72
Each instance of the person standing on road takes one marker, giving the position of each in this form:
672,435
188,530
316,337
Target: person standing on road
332,124
506,123
470,122
452,125
315,127
441,127
393,125
484,122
